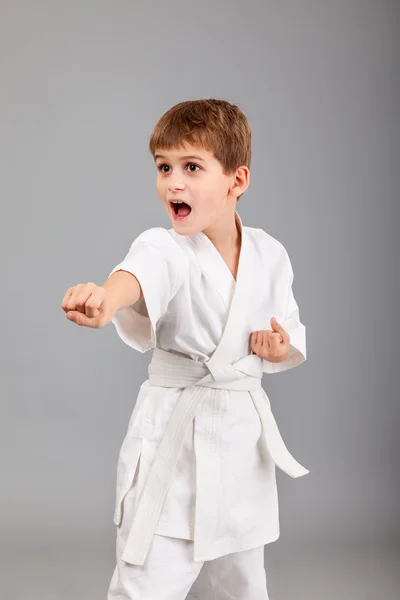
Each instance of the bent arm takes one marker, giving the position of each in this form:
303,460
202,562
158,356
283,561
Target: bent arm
292,324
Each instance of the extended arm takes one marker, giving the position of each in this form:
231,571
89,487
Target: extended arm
90,305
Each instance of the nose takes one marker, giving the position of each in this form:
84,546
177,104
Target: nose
174,186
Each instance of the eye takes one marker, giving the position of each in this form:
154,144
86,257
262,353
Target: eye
161,167
193,165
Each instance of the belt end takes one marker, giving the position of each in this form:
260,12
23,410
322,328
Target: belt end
134,558
301,472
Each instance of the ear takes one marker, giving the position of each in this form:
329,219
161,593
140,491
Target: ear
240,183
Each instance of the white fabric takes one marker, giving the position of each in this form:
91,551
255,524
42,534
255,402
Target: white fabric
169,370
192,307
170,571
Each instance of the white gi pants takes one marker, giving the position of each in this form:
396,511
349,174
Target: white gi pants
169,571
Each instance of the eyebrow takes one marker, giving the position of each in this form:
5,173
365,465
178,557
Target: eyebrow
182,157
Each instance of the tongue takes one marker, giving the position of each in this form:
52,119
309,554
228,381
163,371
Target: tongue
183,210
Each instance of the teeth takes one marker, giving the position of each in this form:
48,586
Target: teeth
177,202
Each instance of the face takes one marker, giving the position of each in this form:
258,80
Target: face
193,188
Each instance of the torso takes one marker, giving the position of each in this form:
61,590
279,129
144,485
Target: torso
222,487
197,314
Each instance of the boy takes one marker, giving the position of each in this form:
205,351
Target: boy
196,491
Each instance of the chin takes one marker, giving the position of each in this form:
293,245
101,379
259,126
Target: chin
184,228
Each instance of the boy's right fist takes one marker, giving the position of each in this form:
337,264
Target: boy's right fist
86,304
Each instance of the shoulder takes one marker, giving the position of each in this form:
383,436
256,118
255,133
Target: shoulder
161,244
159,237
267,245
272,254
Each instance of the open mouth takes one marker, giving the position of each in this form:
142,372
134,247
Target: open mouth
180,210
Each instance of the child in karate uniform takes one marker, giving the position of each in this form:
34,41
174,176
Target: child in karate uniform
196,496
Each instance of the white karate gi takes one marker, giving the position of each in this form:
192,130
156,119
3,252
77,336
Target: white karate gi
223,493
170,573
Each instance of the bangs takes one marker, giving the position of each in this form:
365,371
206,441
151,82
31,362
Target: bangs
176,135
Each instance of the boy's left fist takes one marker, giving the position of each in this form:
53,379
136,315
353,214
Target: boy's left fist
271,345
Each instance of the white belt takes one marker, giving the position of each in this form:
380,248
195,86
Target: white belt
170,370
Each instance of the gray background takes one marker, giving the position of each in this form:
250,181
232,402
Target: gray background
82,84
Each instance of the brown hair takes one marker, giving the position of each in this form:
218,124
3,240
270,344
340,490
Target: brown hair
217,125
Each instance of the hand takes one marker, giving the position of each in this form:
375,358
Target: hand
271,345
87,305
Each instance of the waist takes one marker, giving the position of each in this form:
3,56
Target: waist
172,370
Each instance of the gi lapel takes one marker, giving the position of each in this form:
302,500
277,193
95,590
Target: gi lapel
214,267
235,327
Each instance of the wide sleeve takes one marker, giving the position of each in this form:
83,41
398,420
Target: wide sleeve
292,324
161,266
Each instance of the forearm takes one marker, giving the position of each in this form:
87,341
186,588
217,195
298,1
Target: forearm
123,289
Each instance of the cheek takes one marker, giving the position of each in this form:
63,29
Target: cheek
160,186
214,202
211,194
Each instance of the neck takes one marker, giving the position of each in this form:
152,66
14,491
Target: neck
224,233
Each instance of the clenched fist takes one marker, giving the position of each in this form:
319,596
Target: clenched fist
271,345
87,304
